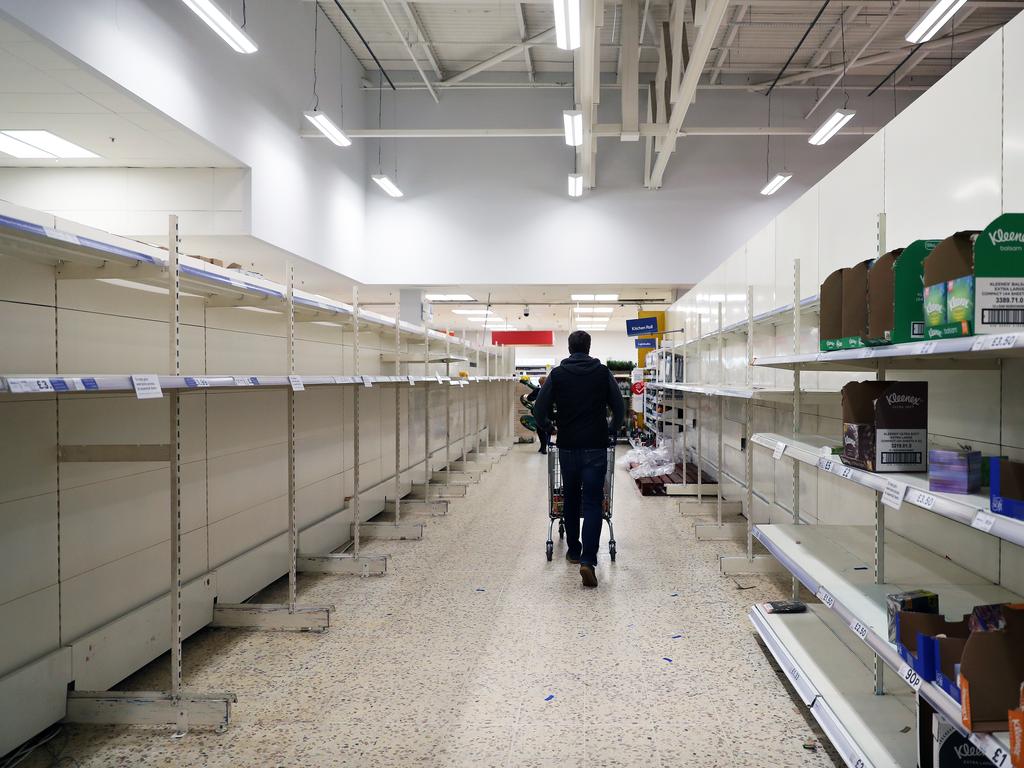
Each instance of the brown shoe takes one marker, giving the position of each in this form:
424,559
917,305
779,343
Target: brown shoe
571,559
588,575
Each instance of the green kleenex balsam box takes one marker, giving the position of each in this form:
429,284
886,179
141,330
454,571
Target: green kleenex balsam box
960,300
935,305
999,276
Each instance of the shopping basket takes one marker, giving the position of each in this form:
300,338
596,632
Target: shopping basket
556,499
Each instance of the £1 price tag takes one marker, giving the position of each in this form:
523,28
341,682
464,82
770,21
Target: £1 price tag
147,386
909,676
983,521
993,750
780,448
826,597
894,493
296,382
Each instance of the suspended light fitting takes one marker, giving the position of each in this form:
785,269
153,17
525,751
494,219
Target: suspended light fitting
567,24
933,20
573,121
831,127
575,185
221,23
776,183
328,128
382,181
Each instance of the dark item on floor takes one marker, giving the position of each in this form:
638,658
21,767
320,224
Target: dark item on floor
589,575
556,500
785,606
656,486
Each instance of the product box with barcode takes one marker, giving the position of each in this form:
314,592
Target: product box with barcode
1006,487
949,287
999,276
885,425
895,294
951,750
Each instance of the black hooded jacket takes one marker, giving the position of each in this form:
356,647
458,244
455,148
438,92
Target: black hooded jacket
582,389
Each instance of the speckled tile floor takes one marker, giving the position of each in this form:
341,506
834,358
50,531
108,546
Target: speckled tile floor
476,651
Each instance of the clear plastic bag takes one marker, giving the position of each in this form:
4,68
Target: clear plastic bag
649,462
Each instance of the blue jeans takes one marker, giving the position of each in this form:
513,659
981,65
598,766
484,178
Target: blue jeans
583,471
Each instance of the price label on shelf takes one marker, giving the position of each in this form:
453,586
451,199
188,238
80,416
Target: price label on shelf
909,676
846,473
29,385
780,448
866,352
825,464
926,348
992,749
296,382
196,382
244,381
859,630
994,341
147,386
438,377
983,521
894,494
921,499
367,381
825,597
412,381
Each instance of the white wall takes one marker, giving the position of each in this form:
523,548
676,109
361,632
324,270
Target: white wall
604,346
307,196
495,210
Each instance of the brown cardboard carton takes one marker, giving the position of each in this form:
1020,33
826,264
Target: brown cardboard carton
830,300
951,258
855,300
1017,733
885,425
991,673
881,295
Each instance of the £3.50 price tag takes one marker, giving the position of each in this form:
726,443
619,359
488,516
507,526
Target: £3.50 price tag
780,448
921,499
983,521
894,493
825,596
994,341
909,676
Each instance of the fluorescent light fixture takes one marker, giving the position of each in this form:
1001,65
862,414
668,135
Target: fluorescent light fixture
21,150
582,297
831,127
326,126
386,184
448,297
567,24
594,311
472,312
51,144
575,185
934,19
606,297
221,23
573,122
776,183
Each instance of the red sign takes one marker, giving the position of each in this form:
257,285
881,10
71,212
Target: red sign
523,338
637,388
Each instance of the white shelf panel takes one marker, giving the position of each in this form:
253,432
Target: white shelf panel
776,316
836,564
808,396
964,508
70,384
832,671
979,352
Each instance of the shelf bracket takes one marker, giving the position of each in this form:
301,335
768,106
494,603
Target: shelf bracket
150,708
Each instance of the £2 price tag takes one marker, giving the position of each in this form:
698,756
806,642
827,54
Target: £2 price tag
859,630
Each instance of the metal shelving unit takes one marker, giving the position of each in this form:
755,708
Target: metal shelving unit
80,254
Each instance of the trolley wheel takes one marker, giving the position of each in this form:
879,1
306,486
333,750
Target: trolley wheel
611,550
550,548
561,530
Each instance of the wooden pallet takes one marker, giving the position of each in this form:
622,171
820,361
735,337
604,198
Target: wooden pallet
671,484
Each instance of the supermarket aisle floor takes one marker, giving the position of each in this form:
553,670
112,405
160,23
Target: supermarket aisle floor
475,651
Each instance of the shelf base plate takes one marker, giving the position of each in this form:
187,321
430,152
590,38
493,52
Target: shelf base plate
761,565
150,708
376,565
301,618
392,531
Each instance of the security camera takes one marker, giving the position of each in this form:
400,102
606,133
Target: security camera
526,311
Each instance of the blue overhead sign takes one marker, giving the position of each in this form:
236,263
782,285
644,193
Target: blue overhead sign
646,343
642,326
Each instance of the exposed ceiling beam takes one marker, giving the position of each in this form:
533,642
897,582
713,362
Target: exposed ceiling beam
853,62
713,17
586,58
521,21
923,53
418,86
730,38
834,35
412,55
601,130
808,6
629,72
680,51
428,48
885,56
498,58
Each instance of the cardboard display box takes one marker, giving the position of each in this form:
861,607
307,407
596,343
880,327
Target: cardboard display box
830,302
885,425
951,750
999,276
949,271
918,600
843,301
1006,487
895,294
991,673
1017,733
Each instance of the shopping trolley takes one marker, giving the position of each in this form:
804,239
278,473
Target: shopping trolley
556,499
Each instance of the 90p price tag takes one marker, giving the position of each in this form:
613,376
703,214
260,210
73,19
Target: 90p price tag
909,676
